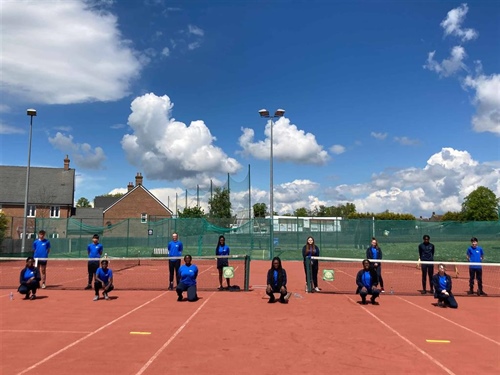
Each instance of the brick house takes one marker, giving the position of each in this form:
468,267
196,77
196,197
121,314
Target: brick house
51,196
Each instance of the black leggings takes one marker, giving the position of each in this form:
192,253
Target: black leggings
427,270
174,265
379,274
98,286
314,271
478,273
92,269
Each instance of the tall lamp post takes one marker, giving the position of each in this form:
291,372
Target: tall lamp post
30,112
277,114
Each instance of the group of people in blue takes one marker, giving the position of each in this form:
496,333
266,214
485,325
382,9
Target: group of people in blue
369,280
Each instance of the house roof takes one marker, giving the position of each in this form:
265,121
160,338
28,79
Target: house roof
105,202
55,186
147,191
89,216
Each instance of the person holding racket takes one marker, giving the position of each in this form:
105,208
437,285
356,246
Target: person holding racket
222,249
175,248
103,280
188,273
442,288
276,281
367,282
94,251
41,250
29,279
310,249
373,253
426,254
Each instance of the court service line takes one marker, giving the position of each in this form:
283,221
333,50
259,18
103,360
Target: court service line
409,342
39,331
89,335
172,338
452,322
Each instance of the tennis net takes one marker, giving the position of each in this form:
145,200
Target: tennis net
338,275
130,273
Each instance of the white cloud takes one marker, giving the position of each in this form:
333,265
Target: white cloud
337,149
8,129
165,52
379,136
487,102
195,30
171,150
82,153
194,45
70,53
305,149
405,141
450,66
4,108
452,24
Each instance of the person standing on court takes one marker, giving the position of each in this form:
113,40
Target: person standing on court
442,288
175,248
188,273
309,250
103,280
367,282
41,250
222,250
94,251
29,279
426,254
374,252
276,281
475,254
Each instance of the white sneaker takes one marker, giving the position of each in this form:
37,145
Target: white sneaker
306,289
43,286
96,298
317,289
106,296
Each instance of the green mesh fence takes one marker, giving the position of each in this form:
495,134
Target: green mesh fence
348,238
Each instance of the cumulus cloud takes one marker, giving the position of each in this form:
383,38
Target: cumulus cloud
305,148
8,129
379,136
165,52
450,66
195,30
82,153
167,149
487,102
452,24
337,149
405,141
62,52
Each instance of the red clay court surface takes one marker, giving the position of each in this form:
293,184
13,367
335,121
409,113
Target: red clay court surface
149,332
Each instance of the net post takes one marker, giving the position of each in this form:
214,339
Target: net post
308,275
247,273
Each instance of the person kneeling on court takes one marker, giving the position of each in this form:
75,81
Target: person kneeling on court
188,273
442,288
276,281
367,281
29,279
103,280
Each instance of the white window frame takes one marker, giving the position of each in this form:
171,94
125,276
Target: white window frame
54,235
144,218
31,211
57,210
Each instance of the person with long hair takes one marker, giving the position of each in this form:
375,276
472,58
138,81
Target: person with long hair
309,250
442,288
276,281
374,253
222,250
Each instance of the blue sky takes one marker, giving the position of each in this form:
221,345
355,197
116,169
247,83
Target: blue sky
389,105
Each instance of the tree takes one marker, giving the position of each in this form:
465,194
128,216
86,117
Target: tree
83,202
480,205
192,212
220,208
452,216
259,210
116,195
301,212
4,223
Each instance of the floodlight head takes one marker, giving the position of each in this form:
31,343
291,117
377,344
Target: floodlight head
31,112
264,113
279,113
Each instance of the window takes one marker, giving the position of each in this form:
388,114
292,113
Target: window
144,218
54,235
31,211
54,211
28,235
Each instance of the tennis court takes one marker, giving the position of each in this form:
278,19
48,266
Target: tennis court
149,332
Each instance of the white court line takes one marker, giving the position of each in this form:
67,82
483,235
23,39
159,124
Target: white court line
172,338
38,331
452,322
88,335
421,351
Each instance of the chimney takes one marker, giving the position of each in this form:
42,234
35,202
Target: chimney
130,186
66,163
138,179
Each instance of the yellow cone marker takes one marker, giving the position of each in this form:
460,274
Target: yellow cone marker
140,333
439,341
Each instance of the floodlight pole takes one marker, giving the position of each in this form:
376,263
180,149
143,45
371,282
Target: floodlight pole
30,112
277,114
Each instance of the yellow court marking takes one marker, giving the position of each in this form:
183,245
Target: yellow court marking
439,341
140,333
